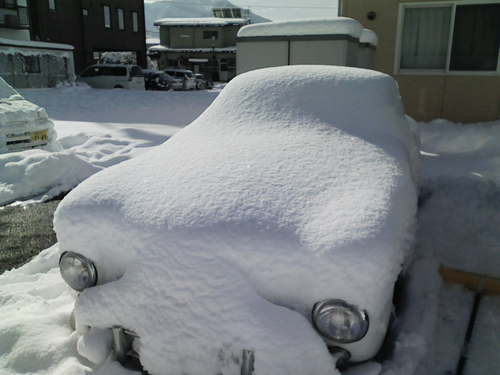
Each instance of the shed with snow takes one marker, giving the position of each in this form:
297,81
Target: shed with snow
366,50
319,41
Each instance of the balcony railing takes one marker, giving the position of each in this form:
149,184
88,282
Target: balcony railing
13,16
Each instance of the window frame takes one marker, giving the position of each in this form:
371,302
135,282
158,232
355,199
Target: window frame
121,18
104,7
446,71
214,34
135,22
52,5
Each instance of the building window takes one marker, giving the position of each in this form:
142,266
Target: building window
31,64
107,17
52,4
86,12
449,37
121,22
210,34
135,22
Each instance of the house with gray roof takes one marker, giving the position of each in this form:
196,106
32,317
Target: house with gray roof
203,45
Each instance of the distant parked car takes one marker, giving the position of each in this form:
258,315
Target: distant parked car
113,76
202,83
158,80
268,232
23,125
186,76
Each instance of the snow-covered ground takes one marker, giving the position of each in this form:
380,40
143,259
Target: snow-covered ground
458,228
97,129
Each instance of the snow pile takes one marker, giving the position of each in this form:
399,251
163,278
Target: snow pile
34,336
84,147
459,228
19,117
36,44
306,26
369,37
462,194
294,186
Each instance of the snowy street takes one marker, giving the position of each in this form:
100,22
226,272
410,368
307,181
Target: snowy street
458,228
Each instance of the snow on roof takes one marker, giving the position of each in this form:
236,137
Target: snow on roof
306,26
35,44
369,37
200,21
150,41
160,48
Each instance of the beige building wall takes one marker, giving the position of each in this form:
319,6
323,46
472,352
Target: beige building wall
459,98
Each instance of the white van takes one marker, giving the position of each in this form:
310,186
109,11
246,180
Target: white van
113,76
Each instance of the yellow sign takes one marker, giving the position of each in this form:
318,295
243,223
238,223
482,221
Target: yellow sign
40,135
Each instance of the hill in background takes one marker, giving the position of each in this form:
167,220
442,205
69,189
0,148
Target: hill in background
158,9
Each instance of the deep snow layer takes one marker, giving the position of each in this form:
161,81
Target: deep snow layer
278,179
35,303
96,129
305,26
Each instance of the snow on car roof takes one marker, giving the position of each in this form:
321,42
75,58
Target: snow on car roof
294,186
306,26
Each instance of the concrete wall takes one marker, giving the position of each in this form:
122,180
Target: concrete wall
459,98
257,55
323,52
366,56
15,34
32,68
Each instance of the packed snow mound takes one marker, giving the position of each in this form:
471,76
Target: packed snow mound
306,26
23,125
369,37
14,109
295,186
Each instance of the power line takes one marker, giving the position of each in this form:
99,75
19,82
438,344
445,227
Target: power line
259,6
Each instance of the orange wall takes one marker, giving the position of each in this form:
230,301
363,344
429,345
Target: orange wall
465,99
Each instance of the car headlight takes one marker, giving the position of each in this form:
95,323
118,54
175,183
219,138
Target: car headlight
339,321
78,271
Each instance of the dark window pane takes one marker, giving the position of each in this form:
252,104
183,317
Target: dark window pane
136,71
119,71
476,38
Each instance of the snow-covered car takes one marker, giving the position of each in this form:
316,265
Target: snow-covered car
266,237
23,125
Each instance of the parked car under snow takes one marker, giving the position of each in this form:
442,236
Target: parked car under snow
266,237
23,125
